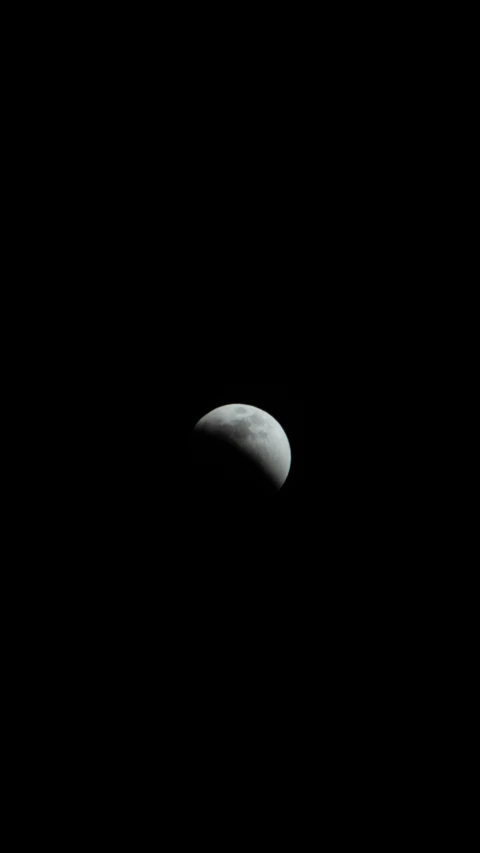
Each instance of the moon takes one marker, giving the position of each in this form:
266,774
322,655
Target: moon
245,442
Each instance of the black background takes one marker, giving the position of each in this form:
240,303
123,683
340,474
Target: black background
220,238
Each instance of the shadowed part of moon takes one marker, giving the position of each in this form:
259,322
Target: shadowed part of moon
223,468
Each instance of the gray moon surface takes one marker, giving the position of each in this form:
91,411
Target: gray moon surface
254,433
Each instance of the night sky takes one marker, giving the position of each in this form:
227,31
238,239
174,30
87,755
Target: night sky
245,237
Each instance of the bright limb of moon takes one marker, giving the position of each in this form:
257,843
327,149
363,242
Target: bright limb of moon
255,433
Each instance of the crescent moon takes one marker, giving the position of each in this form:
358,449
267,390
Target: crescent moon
254,434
